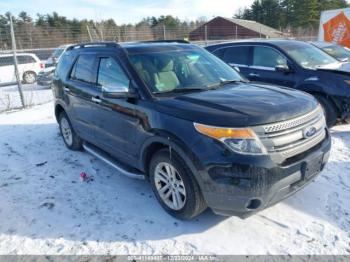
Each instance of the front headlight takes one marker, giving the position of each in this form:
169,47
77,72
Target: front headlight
240,140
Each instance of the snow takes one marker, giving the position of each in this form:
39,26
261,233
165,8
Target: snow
46,209
33,95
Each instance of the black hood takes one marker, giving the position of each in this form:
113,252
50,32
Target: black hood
239,105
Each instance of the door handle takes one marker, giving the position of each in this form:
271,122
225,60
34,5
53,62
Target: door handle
254,75
66,89
96,100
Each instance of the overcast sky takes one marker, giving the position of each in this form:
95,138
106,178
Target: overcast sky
126,11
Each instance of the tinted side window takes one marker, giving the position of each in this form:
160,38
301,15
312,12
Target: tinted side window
237,55
110,74
64,65
6,61
219,52
267,57
84,69
25,59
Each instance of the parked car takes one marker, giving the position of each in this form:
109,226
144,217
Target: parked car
174,114
339,52
45,76
293,64
29,66
55,56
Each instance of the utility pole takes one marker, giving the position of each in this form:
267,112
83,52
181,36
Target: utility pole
19,84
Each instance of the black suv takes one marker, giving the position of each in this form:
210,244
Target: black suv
293,64
174,114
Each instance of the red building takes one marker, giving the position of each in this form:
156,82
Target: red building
232,28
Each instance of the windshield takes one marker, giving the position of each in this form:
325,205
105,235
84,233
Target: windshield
308,56
57,52
337,51
175,71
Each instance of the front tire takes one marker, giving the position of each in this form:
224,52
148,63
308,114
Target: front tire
174,185
70,138
329,110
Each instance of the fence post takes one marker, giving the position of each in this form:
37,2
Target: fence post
19,84
260,31
164,35
88,30
206,34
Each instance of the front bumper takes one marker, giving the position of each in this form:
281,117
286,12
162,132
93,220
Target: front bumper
42,82
242,188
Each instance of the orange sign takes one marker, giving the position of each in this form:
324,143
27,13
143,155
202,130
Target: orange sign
337,29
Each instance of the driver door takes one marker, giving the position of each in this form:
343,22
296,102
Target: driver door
115,117
263,67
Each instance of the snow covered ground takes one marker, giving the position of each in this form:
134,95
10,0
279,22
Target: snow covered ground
46,209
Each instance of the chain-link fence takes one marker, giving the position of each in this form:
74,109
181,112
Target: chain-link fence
37,48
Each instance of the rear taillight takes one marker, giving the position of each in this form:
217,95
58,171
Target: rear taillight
42,65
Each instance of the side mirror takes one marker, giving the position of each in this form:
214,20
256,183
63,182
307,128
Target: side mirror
117,91
283,68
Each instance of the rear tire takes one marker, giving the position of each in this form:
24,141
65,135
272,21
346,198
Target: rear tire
329,110
29,77
70,138
179,184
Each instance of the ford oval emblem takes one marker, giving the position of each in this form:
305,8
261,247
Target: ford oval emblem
309,132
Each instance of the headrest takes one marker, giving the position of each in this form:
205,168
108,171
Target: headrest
165,64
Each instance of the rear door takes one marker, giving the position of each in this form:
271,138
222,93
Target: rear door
263,67
81,92
237,57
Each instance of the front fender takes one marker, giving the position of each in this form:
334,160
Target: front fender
175,145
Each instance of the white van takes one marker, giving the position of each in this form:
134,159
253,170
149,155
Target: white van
29,65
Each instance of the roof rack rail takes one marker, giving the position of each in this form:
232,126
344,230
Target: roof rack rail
93,44
180,41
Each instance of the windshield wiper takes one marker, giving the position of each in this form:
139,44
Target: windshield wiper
224,82
180,90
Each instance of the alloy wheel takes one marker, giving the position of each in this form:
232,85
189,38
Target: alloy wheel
170,186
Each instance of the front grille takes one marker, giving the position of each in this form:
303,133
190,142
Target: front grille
289,138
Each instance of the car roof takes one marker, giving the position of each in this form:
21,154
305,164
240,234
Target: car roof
142,47
271,42
322,43
136,47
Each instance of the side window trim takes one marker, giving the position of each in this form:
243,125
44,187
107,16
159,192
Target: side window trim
251,56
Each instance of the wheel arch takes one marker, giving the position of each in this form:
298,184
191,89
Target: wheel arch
58,110
328,97
166,140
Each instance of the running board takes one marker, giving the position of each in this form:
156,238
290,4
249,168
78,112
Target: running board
93,150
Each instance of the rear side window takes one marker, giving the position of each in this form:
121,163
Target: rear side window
25,59
267,57
6,61
84,69
238,55
64,65
110,74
